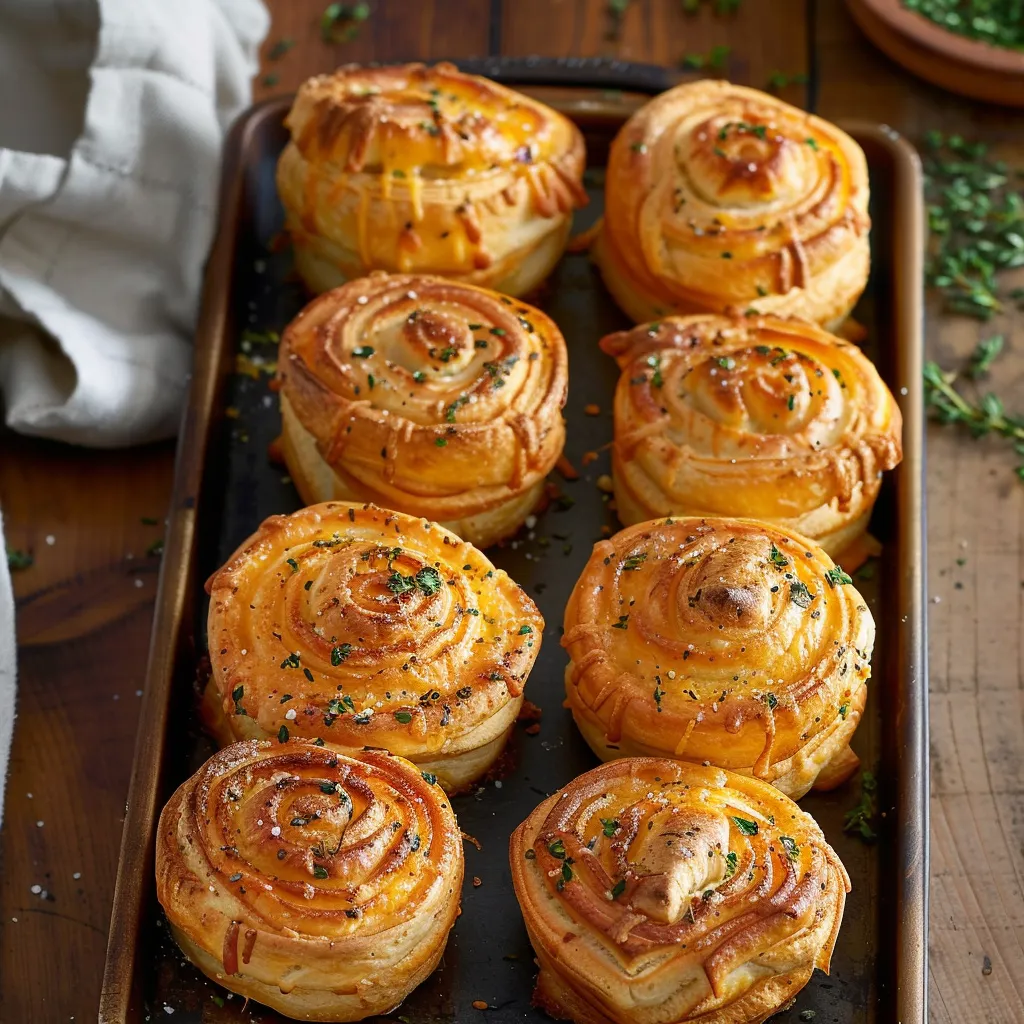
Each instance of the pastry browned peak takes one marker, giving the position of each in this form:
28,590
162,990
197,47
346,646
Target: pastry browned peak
371,629
426,395
320,882
663,892
416,168
718,195
722,641
760,416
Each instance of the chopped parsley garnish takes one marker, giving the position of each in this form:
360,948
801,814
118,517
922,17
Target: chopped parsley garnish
340,653
789,845
293,564
362,352
777,558
746,827
610,826
403,716
858,819
800,595
771,700
844,710
654,361
319,872
618,888
292,661
836,577
730,864
623,622
282,734
523,630
633,562
557,849
429,777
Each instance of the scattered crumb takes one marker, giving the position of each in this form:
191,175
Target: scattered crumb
606,530
588,458
566,468
50,539
529,712
532,730
470,839
39,824
479,1004
592,409
138,581
231,412
986,965
477,882
604,483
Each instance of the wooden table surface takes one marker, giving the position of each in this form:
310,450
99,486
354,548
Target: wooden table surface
85,606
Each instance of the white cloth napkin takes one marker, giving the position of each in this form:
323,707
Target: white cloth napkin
111,123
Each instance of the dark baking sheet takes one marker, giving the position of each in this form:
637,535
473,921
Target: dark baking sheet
878,966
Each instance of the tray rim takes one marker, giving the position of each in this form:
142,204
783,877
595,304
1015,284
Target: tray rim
910,719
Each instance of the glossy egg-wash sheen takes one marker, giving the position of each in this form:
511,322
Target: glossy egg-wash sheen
368,628
721,196
408,168
425,395
760,416
722,641
318,881
658,893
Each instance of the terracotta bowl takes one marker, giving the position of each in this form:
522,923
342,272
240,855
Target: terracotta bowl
954,62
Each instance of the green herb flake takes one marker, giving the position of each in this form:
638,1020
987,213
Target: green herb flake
746,827
837,578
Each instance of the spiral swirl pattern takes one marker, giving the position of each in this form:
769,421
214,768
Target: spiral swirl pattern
721,641
435,398
754,416
719,195
658,892
416,169
370,629
319,882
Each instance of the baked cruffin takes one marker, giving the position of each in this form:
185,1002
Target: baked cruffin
409,168
370,629
425,395
320,881
720,196
720,641
759,416
656,892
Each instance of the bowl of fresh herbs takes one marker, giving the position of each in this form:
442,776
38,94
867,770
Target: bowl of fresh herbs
971,47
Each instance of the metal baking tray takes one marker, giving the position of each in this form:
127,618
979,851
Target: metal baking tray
225,485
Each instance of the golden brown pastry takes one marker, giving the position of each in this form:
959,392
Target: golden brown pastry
320,881
656,892
427,170
428,396
718,196
369,629
722,641
751,416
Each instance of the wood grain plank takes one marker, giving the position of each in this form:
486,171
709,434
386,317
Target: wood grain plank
659,32
83,628
976,554
395,31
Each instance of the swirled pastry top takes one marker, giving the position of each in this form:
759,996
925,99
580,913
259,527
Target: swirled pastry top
720,640
753,415
442,393
720,195
367,628
293,840
424,128
664,891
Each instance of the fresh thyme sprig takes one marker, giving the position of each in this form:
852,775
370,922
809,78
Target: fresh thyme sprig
996,22
987,415
976,218
859,818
